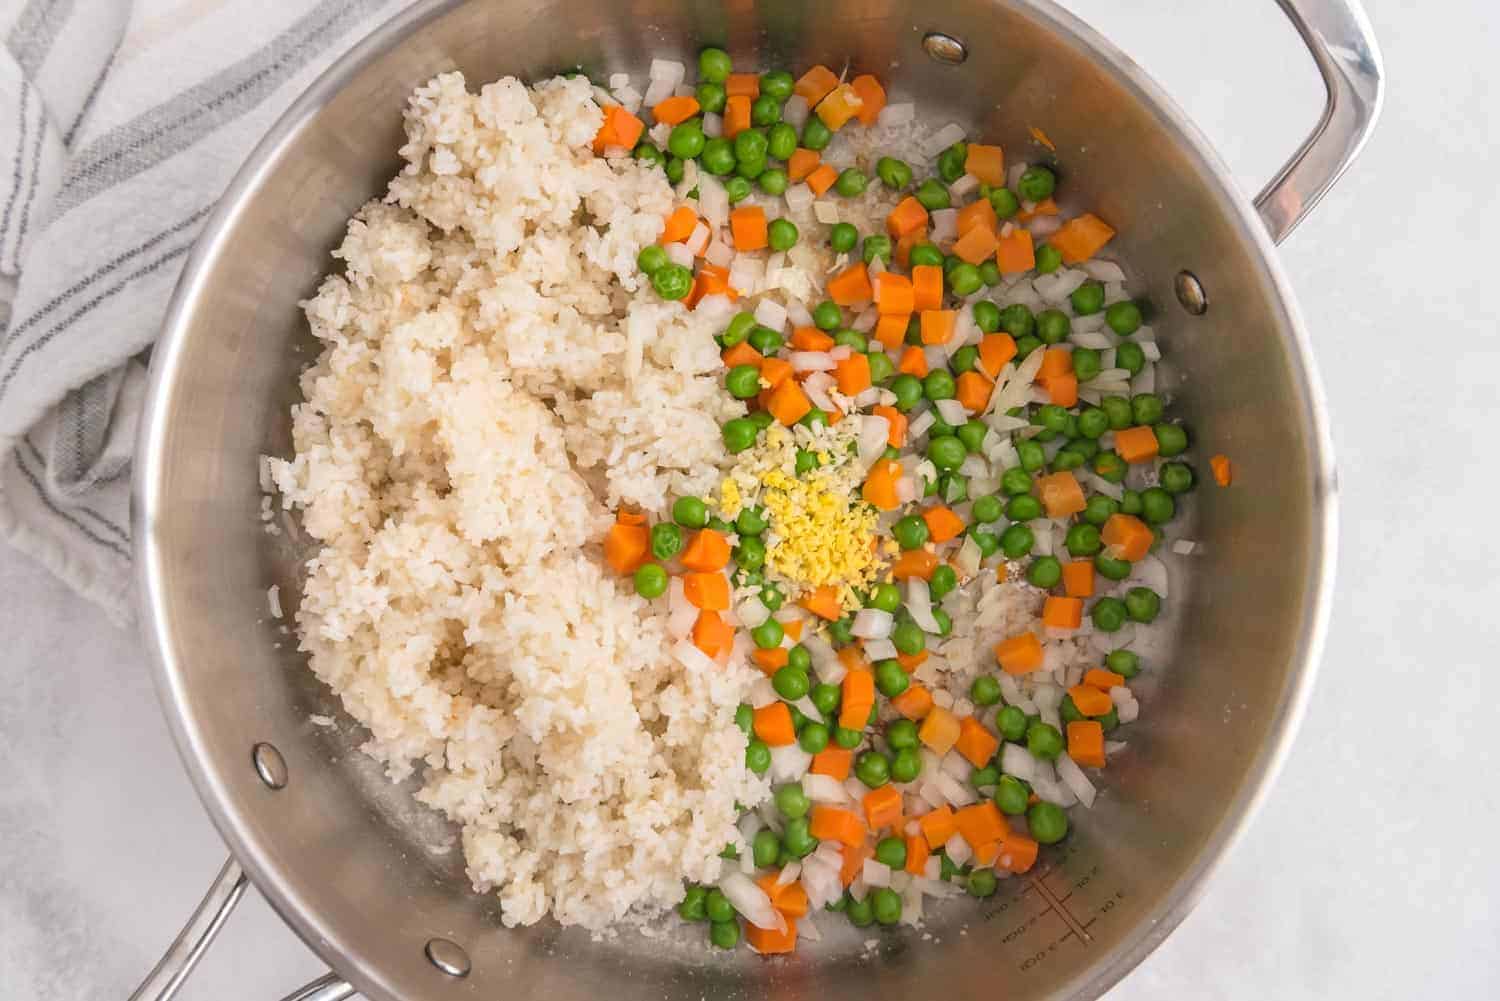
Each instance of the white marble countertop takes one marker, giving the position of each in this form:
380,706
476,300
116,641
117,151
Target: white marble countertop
1371,871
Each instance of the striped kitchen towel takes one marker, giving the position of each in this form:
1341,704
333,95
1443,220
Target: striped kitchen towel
121,123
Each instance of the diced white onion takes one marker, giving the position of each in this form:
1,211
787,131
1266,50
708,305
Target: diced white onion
952,412
919,605
943,138
799,197
867,397
658,90
667,69
956,765
745,274
1103,271
817,387
811,361
1184,547
1056,287
789,763
824,789
720,255
1144,380
769,313
874,432
969,557
751,902
907,489
1016,760
866,320
697,240
872,624
826,212
876,873
795,111
1073,777
880,649
892,114
826,663
920,423
944,226
958,850
678,253
963,186
1096,339
974,467
955,792
1149,571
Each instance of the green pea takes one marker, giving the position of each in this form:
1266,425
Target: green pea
792,802
894,174
1017,320
652,259
1023,508
781,141
1087,363
1130,357
1068,710
1087,298
1146,408
1011,795
750,554
1011,722
1032,457
778,84
950,162
790,683
714,65
908,638
1053,326
826,697
1110,568
876,246
768,634
797,837
926,255
1118,410
827,315
718,156
1087,448
890,678
985,690
983,883
1048,259
1176,477
648,153
1047,822
717,906
886,597
842,237
1142,604
847,738
987,509
744,718
1016,541
743,382
932,195
651,579
751,144
761,419
954,487
1109,466
1045,572
1005,203
1083,539
1125,663
842,630
1108,614
881,366
908,390
901,734
1098,509
972,434
944,580
891,852
948,870
1051,416
939,385
739,434
1170,440
1157,506
964,279
816,135
666,540
861,913
672,281
738,329
872,769
1044,741
765,848
751,521
765,340
711,97
1036,184
946,452
986,316
772,182
765,110
799,719
738,189
906,765
886,905
674,169
950,261
757,756
989,272
690,512
782,234
1093,421
1124,318
694,904
686,139
750,169
851,182
1025,345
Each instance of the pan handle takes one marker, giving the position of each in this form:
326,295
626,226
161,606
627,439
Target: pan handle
172,971
1338,35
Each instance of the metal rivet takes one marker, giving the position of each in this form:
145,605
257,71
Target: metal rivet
944,48
1190,293
269,765
448,957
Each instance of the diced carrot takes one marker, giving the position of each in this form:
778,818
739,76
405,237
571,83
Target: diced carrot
736,116
1137,444
851,286
626,547
1044,207
978,213
1055,361
1081,238
994,351
973,391
773,724
770,661
914,563
748,226
852,374
1041,137
712,634
788,898
939,731
675,110
880,484
853,658
823,602
986,853
890,331
841,104
811,339
833,761
1062,613
741,354
913,362
706,552
1061,389
937,826
710,280
911,661
769,941
1060,493
793,628
775,371
871,97
986,163
856,700
1086,740
916,854
802,163
1078,579
882,807
743,85
942,523
815,84
788,403
975,743
821,179
854,861
1090,700
1126,537
620,128
1102,679
708,591
832,823
938,325
914,703
626,517
679,225
1018,852
981,824
1021,654
908,216
1222,469
893,294
1015,253
896,436
927,286
976,245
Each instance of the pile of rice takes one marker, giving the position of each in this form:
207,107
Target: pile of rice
490,389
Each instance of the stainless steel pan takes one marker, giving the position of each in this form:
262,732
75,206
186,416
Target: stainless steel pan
348,860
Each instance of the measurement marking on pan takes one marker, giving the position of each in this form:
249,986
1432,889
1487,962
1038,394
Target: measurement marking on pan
1057,905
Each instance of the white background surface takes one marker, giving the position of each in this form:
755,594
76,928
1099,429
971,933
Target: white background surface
1372,871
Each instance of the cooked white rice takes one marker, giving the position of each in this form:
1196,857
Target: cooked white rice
490,389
